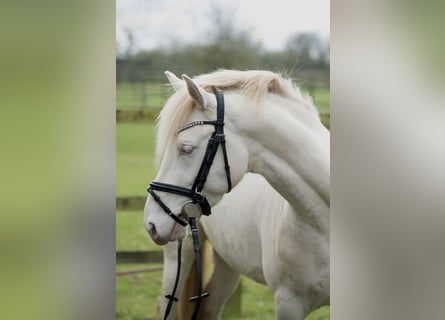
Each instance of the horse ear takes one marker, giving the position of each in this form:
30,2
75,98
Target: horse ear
176,83
198,94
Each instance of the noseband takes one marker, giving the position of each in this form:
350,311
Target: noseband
195,192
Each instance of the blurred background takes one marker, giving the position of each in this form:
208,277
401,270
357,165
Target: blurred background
197,37
153,37
58,122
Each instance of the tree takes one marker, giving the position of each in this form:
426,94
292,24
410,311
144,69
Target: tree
309,50
229,46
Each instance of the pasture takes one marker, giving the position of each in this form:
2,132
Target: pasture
136,294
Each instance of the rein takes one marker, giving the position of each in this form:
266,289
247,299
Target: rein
198,204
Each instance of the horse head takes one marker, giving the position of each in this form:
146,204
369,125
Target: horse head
254,121
186,127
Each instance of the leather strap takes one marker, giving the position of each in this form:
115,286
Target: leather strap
166,208
217,138
200,295
165,187
171,297
226,165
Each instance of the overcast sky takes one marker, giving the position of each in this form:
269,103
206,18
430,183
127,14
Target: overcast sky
155,23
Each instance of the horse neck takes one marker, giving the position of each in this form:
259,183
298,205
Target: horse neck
291,151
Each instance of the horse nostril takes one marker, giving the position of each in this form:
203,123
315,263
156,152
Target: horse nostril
151,229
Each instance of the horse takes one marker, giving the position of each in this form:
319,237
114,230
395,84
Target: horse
272,130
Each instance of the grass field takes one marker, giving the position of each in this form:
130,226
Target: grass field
136,295
134,158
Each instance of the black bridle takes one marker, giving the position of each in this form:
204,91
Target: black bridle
195,192
198,200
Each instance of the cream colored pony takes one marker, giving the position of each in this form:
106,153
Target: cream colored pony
271,129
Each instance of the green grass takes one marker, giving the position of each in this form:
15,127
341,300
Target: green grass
134,158
130,232
137,297
137,294
256,301
323,313
322,99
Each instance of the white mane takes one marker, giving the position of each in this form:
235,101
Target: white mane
254,84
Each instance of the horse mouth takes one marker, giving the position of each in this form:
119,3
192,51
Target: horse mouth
151,229
176,233
159,241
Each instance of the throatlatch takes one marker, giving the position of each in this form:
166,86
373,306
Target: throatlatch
198,204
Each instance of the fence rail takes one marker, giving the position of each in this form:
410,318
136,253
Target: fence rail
136,271
130,203
142,115
139,256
